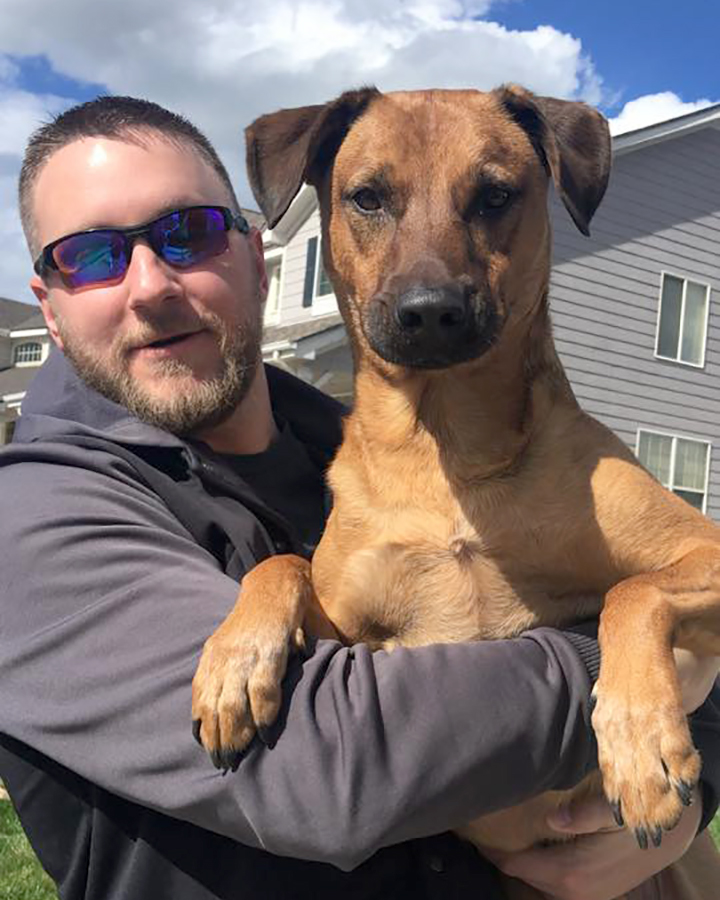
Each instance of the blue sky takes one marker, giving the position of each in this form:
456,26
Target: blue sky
37,76
638,46
224,62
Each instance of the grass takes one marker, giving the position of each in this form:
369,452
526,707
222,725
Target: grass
715,830
21,875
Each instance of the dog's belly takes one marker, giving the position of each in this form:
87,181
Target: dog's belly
439,591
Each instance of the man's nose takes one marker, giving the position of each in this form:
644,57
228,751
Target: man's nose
149,278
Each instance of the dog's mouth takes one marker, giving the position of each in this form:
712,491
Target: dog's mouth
428,332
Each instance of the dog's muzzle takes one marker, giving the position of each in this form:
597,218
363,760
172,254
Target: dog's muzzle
429,328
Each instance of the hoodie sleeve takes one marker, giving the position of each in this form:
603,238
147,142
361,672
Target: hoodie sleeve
106,603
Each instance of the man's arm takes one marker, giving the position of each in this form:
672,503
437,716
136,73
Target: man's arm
107,602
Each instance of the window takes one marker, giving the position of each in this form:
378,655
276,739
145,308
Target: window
682,320
29,352
679,463
317,284
272,304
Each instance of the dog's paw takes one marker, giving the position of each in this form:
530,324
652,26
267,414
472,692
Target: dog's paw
648,762
236,691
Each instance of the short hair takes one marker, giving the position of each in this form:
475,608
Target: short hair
124,118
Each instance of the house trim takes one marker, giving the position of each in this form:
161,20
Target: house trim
29,332
670,128
13,401
297,213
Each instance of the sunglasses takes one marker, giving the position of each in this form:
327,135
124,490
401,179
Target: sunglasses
182,238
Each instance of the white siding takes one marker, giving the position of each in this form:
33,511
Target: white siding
291,308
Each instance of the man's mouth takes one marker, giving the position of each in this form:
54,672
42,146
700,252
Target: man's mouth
169,341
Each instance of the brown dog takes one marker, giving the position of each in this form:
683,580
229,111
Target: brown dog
473,498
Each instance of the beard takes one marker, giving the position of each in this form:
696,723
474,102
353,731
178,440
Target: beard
194,403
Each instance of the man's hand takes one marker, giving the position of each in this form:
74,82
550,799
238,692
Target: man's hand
604,861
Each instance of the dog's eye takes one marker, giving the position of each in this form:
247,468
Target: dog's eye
496,197
367,200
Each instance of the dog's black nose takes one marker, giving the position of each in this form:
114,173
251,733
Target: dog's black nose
432,314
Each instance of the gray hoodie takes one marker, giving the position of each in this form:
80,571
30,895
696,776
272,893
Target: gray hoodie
107,599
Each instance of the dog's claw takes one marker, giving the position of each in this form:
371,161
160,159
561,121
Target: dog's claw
230,760
616,807
217,759
196,725
685,793
642,838
265,735
656,836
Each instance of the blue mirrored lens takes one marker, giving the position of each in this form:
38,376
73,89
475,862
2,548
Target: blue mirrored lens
189,236
91,258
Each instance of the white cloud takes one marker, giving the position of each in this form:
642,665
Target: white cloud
224,62
653,108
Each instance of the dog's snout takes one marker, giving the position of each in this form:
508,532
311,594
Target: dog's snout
433,313
429,326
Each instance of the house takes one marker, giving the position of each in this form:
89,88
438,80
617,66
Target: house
24,345
635,306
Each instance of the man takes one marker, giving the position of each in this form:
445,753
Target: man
155,462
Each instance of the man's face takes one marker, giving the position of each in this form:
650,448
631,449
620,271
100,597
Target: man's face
210,314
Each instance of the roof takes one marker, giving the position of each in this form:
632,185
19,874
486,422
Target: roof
12,312
276,334
16,379
36,321
709,117
255,218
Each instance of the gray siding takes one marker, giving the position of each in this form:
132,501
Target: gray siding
661,213
5,352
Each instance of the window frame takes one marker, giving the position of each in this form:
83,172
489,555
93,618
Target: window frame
274,260
673,450
27,362
708,291
318,304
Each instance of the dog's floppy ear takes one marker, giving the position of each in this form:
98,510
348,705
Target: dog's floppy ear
572,140
289,147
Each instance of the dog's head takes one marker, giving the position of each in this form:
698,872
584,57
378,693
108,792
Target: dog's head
435,226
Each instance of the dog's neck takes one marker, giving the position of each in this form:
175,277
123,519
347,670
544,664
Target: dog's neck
476,420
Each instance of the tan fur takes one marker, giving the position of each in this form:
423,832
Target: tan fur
475,501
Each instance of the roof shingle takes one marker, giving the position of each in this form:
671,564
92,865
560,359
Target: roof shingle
12,312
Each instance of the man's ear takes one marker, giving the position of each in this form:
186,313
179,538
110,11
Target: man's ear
573,142
289,147
37,286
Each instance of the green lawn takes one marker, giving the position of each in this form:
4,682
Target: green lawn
715,829
21,875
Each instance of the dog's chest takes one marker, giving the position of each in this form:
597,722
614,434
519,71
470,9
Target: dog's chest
424,577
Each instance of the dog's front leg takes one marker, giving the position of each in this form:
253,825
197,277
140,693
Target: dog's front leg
236,690
648,762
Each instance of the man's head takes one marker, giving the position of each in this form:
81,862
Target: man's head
168,322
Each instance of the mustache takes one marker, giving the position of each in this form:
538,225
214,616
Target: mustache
161,326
